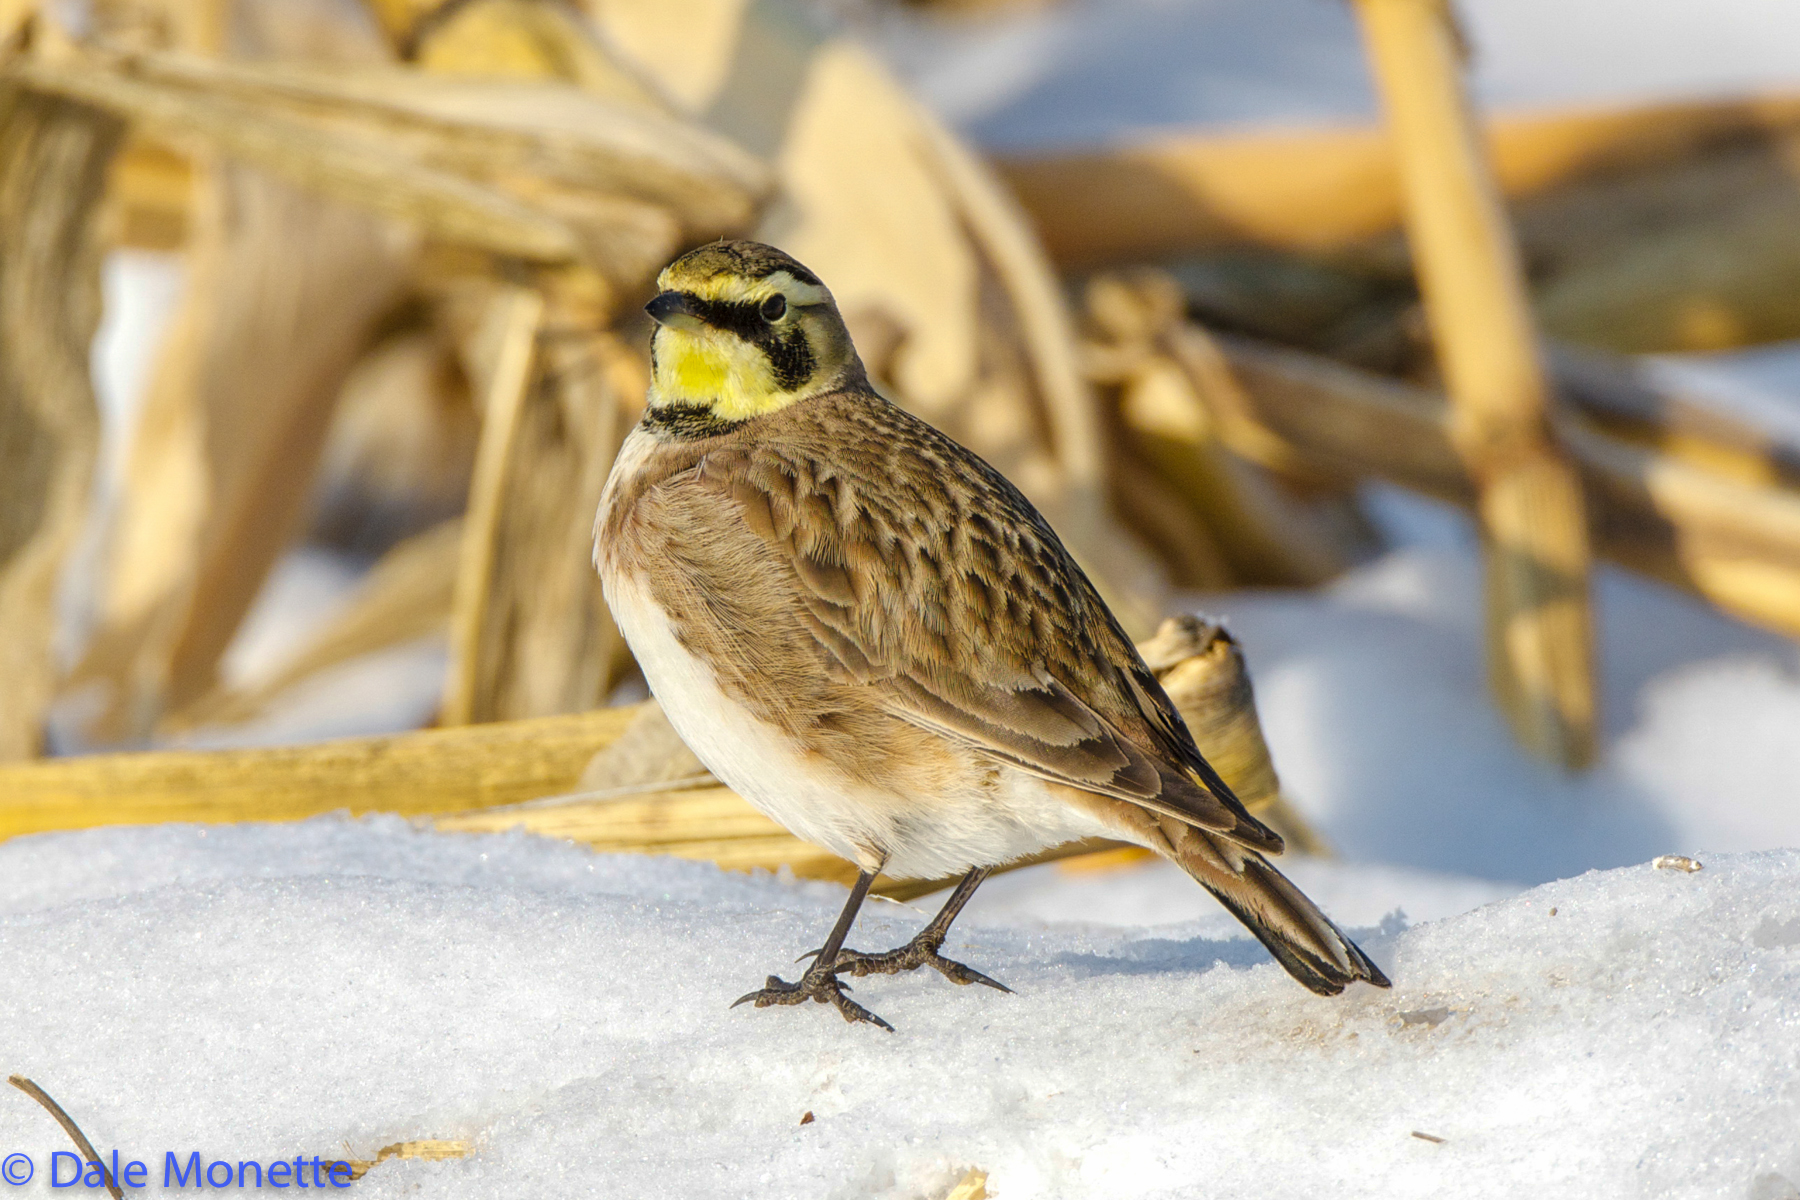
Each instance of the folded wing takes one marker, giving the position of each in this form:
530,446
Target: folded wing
924,573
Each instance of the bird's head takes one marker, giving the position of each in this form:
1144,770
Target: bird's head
741,330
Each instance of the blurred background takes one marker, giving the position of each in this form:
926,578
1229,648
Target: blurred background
1447,360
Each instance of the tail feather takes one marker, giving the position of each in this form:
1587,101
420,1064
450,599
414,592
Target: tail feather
1302,939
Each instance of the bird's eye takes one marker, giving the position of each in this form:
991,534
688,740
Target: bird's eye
774,308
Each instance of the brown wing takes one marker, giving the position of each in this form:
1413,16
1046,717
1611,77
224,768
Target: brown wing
923,571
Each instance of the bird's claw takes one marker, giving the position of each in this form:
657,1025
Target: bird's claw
920,952
820,985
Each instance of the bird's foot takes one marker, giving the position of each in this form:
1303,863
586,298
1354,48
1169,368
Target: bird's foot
819,983
922,951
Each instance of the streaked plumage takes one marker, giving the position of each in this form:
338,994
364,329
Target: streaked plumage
875,638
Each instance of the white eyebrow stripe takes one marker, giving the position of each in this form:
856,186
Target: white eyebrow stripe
802,294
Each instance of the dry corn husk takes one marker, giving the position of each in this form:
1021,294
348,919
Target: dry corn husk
530,633
429,1149
1652,227
1696,256
534,169
518,132
354,170
1621,397
1230,518
540,171
402,442
1202,668
53,159
284,293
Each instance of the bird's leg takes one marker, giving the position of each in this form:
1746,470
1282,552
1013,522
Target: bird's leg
922,951
820,981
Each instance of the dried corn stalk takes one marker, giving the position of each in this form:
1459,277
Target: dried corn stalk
356,170
433,770
602,188
402,441
616,778
1202,668
282,293
529,39
1529,506
1621,397
1700,255
530,633
1650,227
53,160
1319,191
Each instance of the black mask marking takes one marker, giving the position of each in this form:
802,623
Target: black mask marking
791,357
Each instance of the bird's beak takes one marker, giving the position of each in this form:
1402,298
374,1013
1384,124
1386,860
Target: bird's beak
675,310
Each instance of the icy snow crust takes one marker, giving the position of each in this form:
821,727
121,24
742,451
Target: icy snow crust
333,986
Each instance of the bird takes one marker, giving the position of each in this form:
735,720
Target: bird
872,636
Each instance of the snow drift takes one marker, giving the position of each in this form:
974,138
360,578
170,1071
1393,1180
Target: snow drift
333,986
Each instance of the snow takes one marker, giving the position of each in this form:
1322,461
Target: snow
1355,894
334,986
140,291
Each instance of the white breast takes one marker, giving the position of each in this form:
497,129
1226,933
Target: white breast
757,760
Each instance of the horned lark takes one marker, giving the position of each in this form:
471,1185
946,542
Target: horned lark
874,638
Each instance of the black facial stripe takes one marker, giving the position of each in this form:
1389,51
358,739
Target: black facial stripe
687,422
791,358
741,318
